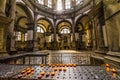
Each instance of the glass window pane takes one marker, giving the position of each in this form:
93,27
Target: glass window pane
19,36
65,31
41,1
26,36
67,4
50,3
79,2
40,29
59,5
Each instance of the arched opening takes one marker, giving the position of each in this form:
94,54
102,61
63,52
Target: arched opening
84,29
64,35
44,33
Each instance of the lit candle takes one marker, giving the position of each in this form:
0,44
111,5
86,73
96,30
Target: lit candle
64,69
53,65
63,65
41,65
47,74
53,73
42,73
107,69
70,65
114,75
60,69
107,65
114,70
32,69
40,76
67,65
28,72
27,69
55,69
74,65
23,72
50,65
57,65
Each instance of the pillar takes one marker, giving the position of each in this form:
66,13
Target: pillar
35,33
73,32
94,35
2,7
11,25
55,39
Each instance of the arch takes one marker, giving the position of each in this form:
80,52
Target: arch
26,10
42,26
63,29
64,23
48,26
81,22
23,22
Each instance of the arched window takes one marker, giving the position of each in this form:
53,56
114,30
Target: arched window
50,3
65,31
79,2
67,4
26,35
40,29
59,5
18,36
41,1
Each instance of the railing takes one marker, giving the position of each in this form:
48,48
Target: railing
45,58
75,58
26,58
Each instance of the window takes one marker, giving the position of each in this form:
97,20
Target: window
26,36
39,29
65,31
19,36
41,1
50,3
79,2
67,4
59,5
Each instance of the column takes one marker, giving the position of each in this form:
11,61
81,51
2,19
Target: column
35,32
11,25
94,35
73,33
55,40
2,7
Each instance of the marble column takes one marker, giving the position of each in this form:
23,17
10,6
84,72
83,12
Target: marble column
55,39
2,7
73,33
94,35
35,33
11,25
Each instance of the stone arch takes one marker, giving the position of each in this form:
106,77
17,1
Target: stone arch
49,27
26,10
63,23
82,21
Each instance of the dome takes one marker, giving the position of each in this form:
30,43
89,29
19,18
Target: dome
60,6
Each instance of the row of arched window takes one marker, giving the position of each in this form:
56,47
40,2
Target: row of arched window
39,30
68,3
63,31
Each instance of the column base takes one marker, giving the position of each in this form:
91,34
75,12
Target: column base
73,46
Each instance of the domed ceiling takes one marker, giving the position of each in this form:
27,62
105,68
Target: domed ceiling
60,6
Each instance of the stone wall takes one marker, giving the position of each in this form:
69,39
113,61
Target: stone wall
112,16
